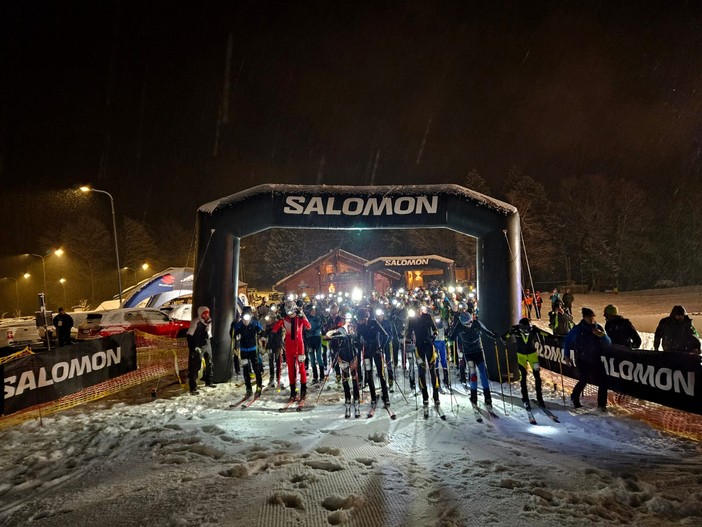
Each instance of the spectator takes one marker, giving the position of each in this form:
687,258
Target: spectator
677,333
588,340
559,321
568,300
198,338
528,302
620,329
63,322
538,301
555,299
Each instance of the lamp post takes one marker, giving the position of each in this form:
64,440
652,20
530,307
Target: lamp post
62,281
114,232
16,289
143,266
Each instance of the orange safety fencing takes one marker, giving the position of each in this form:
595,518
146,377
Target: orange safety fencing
157,357
670,420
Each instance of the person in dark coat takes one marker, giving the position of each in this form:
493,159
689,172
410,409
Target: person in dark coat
374,338
467,332
560,322
588,340
677,333
620,329
248,329
198,338
63,322
424,334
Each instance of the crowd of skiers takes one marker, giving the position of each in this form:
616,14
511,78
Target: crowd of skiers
353,342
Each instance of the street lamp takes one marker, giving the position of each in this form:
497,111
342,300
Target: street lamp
62,281
143,266
114,232
16,289
57,252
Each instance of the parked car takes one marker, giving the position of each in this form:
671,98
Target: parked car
17,333
179,311
113,321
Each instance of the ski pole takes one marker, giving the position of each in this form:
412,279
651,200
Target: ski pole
509,378
560,367
398,384
499,374
326,377
449,356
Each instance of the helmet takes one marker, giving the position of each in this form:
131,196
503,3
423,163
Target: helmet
611,311
465,318
362,314
525,324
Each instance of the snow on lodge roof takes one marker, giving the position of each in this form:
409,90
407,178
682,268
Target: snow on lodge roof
341,254
405,190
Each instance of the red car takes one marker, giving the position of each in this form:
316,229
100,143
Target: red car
148,320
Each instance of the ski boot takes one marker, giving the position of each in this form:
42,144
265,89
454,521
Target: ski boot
540,401
526,404
347,405
391,386
425,409
258,391
356,409
249,392
303,390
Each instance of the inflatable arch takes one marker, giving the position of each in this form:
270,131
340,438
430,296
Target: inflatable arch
222,223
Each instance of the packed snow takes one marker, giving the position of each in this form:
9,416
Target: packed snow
182,460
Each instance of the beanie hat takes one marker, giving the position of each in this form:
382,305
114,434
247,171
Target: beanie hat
587,312
611,311
678,310
465,318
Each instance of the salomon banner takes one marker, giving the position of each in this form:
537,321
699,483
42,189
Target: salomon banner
47,376
667,378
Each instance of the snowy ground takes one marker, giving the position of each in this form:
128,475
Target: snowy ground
192,461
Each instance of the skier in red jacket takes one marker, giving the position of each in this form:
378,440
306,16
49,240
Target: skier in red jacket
294,321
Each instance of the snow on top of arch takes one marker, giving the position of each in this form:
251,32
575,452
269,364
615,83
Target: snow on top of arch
377,191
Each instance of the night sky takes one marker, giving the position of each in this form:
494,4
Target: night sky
131,96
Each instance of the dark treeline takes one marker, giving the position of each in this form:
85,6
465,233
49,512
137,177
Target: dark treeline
592,230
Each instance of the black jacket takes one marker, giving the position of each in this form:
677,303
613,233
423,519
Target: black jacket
623,332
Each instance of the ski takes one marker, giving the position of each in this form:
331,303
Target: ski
301,404
241,401
371,412
391,413
256,397
548,412
440,412
476,413
530,414
288,405
491,412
